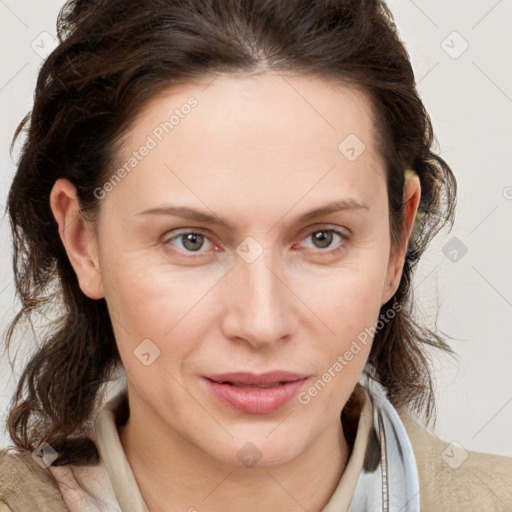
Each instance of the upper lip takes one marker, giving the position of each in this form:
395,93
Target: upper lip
252,378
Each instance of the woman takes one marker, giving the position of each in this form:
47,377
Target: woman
224,202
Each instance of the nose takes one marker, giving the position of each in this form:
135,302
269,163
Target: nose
260,307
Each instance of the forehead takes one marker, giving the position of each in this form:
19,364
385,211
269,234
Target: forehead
271,104
270,134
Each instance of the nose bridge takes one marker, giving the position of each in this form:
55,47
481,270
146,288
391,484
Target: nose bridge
262,284
259,306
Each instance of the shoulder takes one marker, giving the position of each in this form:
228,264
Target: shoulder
24,485
452,478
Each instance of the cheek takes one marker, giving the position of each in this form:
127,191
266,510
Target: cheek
348,297
154,301
351,313
151,316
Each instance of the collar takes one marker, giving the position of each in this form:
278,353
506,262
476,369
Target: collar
380,473
128,494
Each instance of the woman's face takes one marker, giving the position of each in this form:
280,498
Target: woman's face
261,283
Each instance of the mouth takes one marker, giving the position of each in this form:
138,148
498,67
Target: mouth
268,379
259,386
255,394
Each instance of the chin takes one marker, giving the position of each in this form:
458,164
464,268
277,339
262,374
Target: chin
262,451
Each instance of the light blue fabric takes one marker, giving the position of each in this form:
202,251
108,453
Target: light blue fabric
389,479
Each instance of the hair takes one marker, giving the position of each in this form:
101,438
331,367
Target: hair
113,57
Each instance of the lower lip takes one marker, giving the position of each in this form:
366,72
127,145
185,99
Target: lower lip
256,400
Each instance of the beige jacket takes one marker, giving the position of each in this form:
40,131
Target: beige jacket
450,478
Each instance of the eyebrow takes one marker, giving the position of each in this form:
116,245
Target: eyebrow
210,218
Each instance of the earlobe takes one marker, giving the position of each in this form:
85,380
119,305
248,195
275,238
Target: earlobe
412,198
78,238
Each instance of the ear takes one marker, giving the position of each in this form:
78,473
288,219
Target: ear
78,237
412,197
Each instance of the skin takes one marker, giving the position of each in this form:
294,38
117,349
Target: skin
259,153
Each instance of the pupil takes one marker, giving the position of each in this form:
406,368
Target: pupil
324,237
193,238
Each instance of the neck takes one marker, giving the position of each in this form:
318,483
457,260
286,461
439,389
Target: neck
170,470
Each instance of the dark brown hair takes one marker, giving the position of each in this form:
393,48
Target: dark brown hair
114,56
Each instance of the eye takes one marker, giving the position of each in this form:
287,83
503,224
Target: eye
189,241
194,241
323,238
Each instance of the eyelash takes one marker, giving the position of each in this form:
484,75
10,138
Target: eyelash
200,253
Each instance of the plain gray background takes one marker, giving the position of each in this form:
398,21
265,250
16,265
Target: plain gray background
461,54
